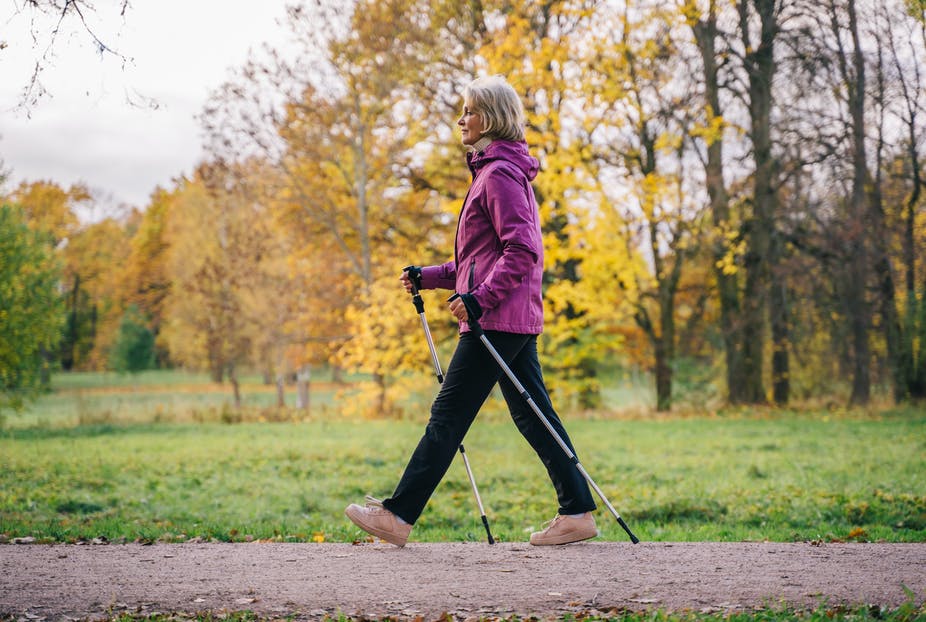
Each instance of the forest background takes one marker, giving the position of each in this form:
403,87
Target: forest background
731,195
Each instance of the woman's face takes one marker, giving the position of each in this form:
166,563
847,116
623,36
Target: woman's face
470,125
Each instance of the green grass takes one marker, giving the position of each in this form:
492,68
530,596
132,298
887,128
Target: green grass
128,463
908,612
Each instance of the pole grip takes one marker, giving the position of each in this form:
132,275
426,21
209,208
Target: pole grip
414,275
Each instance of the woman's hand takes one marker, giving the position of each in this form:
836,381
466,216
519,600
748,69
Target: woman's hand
411,278
406,281
458,309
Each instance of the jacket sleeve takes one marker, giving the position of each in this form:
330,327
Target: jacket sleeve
443,276
516,224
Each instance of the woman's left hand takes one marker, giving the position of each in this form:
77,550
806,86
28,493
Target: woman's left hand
458,309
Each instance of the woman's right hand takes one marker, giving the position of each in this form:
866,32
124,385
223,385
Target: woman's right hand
411,278
406,281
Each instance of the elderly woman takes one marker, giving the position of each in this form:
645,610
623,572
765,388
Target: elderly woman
496,270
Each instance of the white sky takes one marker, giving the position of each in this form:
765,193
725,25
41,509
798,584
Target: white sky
84,130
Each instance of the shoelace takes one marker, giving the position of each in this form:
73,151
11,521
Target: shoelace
373,502
551,522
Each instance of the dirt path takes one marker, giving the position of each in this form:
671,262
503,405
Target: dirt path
40,582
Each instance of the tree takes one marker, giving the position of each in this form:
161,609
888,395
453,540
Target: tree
30,308
133,350
145,279
214,238
852,148
725,235
903,43
641,137
50,210
738,68
94,259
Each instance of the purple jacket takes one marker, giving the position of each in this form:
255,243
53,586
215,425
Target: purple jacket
498,255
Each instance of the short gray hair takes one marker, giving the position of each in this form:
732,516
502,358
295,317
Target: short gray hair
499,106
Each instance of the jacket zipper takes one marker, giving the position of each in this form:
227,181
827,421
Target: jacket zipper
472,275
456,256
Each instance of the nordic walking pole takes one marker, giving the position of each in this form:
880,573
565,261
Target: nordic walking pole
419,306
477,329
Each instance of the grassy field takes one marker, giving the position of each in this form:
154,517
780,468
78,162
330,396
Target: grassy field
158,459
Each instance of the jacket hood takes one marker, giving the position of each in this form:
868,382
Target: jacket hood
510,151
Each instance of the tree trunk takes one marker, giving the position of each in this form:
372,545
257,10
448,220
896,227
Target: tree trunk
303,380
663,377
281,390
857,304
236,388
857,308
760,67
706,34
72,329
913,373
381,405
45,371
918,376
780,314
887,297
665,347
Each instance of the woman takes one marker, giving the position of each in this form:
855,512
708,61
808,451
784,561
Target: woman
497,271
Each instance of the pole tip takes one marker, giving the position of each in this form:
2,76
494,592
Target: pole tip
485,521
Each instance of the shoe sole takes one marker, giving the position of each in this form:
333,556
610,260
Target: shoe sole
566,539
373,531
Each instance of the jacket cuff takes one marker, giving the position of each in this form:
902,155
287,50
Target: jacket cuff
473,308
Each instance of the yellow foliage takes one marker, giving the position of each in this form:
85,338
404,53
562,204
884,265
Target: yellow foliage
735,250
49,208
712,130
669,141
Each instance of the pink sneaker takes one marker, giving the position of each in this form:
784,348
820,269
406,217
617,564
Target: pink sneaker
565,530
376,520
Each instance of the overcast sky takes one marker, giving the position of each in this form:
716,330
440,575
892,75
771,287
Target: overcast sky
84,130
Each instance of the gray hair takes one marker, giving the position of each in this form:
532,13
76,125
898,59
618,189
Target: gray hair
499,106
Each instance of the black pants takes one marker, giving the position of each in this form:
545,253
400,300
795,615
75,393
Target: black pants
470,378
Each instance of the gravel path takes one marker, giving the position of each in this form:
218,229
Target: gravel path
464,580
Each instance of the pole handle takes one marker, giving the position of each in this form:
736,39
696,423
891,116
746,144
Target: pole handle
414,275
